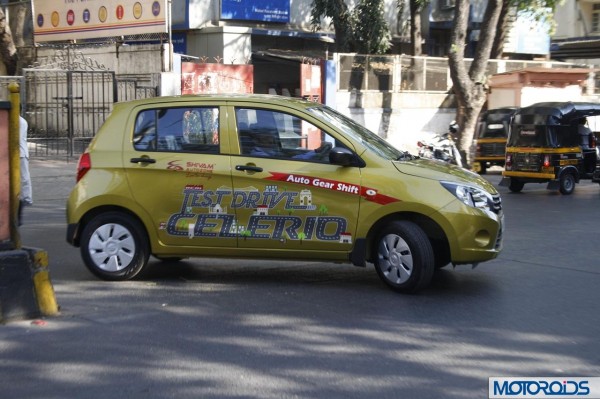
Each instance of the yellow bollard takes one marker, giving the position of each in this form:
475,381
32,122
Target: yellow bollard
14,162
41,281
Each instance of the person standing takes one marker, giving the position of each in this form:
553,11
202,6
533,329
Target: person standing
26,195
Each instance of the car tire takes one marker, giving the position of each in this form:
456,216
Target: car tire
567,183
515,185
114,246
404,257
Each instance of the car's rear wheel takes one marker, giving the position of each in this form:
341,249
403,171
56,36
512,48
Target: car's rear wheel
404,257
114,246
567,184
516,185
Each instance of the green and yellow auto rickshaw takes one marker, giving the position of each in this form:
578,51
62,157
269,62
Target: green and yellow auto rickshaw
551,143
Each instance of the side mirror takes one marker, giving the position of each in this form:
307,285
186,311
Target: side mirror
344,157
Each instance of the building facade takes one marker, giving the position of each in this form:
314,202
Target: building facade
577,35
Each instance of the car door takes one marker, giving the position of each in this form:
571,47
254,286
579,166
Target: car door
178,173
286,194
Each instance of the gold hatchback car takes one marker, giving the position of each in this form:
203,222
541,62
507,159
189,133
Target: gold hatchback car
270,177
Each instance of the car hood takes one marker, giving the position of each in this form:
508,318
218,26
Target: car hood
442,171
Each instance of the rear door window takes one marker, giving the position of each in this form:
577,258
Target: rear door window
189,129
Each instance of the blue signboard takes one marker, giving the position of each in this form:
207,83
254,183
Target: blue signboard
258,10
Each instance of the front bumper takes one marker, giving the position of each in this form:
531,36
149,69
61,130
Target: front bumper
473,235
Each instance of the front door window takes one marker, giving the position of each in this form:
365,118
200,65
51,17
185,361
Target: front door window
286,194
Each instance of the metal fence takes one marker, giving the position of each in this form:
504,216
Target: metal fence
398,73
65,108
133,87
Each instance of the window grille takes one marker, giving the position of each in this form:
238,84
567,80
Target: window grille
596,18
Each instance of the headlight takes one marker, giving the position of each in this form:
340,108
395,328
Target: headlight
472,196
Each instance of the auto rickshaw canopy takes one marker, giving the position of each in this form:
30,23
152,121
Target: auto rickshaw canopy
551,124
555,113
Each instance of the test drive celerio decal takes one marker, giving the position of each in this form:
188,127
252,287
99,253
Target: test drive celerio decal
204,213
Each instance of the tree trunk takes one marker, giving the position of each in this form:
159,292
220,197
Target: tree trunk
415,28
8,51
470,88
342,25
501,30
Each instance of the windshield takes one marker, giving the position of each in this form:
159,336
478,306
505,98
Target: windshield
544,136
494,126
359,133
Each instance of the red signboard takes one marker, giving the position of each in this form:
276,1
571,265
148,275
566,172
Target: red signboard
216,78
310,82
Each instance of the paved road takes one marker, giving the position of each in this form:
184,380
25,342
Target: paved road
241,329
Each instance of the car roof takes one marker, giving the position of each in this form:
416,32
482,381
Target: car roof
256,99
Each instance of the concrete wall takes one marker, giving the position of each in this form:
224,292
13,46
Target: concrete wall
573,18
230,43
401,118
128,59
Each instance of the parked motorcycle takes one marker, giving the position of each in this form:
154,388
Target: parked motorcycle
441,146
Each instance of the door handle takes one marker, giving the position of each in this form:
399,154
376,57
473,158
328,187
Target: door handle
248,168
142,160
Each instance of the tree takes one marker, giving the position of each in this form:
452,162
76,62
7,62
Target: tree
8,51
362,29
371,33
416,37
470,86
341,19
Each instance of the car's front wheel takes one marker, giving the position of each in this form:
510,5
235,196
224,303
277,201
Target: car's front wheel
404,257
114,246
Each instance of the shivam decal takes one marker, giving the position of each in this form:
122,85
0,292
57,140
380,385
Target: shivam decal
369,194
204,213
192,169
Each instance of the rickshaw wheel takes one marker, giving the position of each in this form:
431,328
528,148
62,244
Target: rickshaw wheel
567,184
482,168
516,185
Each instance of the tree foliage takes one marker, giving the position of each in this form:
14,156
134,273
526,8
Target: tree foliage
362,29
539,10
371,33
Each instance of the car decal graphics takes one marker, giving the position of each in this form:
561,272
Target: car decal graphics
193,169
204,213
367,193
